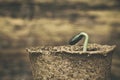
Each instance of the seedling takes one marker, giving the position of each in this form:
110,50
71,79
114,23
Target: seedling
78,37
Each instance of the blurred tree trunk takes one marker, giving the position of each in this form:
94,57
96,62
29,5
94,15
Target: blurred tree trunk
27,9
30,9
24,10
36,11
54,8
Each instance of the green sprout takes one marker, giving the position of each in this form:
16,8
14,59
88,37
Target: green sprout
78,37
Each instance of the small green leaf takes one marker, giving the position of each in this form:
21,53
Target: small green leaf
77,38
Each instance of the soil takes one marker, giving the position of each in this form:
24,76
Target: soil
92,49
70,63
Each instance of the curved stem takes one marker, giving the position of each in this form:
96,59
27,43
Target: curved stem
85,42
78,37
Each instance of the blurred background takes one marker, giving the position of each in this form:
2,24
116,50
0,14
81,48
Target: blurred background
30,23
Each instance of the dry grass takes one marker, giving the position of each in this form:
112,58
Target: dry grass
59,29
